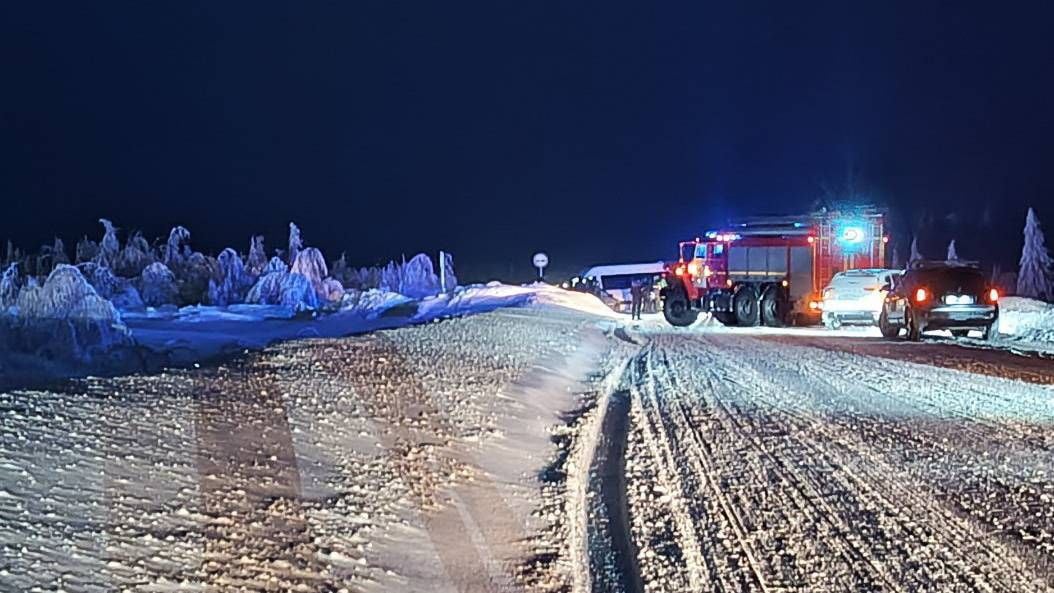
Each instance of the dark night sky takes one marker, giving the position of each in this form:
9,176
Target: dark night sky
598,133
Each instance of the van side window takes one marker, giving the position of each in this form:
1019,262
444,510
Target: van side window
719,248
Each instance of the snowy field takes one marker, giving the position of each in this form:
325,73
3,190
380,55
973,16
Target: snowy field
528,439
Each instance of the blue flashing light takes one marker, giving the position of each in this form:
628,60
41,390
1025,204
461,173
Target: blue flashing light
851,233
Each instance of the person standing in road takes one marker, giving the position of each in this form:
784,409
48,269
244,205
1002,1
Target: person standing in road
636,290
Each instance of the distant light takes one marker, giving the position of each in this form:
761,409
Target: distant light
785,284
723,237
812,239
885,239
993,295
921,295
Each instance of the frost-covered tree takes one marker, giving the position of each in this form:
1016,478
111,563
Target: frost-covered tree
295,243
86,250
10,284
108,248
284,288
157,286
136,255
916,255
953,254
232,281
391,278
418,278
66,317
58,253
275,264
9,253
1036,276
257,261
894,258
450,279
193,275
310,264
176,237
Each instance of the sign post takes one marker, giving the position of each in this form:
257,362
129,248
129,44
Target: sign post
540,260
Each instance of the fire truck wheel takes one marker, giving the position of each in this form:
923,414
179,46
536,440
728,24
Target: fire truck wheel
725,318
676,310
745,304
773,311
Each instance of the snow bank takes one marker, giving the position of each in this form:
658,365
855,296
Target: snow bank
1026,319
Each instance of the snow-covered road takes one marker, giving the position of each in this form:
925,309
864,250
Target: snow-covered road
540,449
761,464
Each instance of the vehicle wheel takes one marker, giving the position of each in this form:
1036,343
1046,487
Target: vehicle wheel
773,309
914,332
676,310
832,323
745,304
888,329
992,331
725,318
960,333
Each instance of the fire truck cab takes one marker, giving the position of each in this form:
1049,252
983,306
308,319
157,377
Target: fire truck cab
770,270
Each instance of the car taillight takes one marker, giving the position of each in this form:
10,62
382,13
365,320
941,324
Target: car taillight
993,295
921,295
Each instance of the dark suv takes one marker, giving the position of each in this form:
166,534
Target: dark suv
940,295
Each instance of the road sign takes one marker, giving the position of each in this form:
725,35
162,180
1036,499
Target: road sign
540,261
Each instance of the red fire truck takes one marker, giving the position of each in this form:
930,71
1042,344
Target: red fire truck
770,270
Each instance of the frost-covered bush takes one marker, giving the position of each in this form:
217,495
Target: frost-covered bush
332,290
157,286
232,282
284,288
257,261
66,318
10,284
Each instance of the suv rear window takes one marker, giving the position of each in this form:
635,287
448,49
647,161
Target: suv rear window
942,280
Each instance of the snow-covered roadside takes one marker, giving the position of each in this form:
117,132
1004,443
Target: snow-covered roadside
399,461
1026,320
170,336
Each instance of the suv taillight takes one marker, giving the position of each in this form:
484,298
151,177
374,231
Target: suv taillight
993,295
921,295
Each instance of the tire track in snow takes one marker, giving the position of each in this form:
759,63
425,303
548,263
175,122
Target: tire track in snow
793,395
